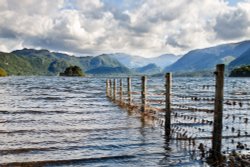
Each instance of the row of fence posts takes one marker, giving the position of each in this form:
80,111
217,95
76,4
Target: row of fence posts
111,92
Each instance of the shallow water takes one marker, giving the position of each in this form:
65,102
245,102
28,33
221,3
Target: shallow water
57,121
69,122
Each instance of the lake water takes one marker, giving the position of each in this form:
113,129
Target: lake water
57,121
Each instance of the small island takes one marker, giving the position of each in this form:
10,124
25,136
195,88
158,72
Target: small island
3,73
73,71
243,71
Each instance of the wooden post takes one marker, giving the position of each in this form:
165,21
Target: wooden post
114,89
107,88
143,93
110,88
121,93
129,91
168,87
218,112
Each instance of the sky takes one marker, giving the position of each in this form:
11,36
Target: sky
146,28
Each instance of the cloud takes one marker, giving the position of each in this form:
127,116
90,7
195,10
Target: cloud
232,24
142,27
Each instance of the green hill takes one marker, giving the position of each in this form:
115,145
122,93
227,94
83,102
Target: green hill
15,65
243,71
44,62
41,62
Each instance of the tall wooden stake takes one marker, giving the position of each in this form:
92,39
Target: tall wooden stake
114,89
110,88
121,91
129,91
218,112
168,87
144,93
107,87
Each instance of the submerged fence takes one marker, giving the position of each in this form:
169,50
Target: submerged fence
201,114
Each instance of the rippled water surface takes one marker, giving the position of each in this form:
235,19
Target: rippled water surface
57,121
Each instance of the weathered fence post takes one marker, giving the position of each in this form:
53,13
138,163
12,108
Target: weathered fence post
218,112
110,88
129,91
114,89
168,87
144,94
121,91
107,87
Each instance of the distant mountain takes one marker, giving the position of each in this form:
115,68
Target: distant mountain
198,62
148,69
243,59
103,60
105,64
206,59
164,60
33,52
44,62
15,65
137,61
85,63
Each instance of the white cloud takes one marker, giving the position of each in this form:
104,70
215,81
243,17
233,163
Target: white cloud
145,27
234,22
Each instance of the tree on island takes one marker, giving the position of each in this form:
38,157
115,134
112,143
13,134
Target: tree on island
243,71
3,73
73,71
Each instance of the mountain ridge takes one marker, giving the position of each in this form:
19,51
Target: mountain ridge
44,62
150,69
133,61
207,58
243,59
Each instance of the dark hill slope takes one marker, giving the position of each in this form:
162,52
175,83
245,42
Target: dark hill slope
244,59
206,59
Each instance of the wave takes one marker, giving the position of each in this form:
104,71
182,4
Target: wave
34,112
82,130
68,161
46,98
24,150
